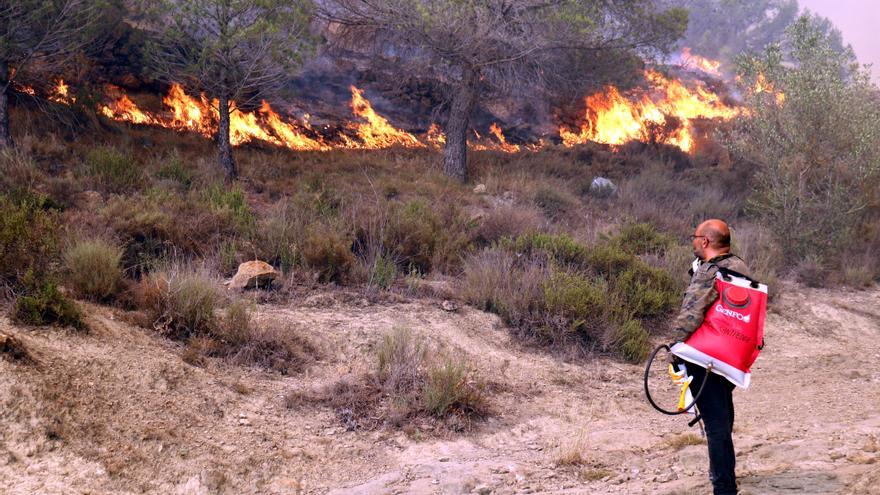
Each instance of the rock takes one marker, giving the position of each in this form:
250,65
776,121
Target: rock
480,189
252,274
443,459
448,305
603,186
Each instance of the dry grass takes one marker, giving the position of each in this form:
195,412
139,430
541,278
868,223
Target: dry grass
679,442
572,452
93,268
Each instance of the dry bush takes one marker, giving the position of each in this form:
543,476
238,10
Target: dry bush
452,387
679,442
328,252
93,268
571,451
14,349
757,246
400,358
812,272
241,341
19,174
553,203
496,280
184,300
507,221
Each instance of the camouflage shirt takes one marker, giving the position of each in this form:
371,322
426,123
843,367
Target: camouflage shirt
701,293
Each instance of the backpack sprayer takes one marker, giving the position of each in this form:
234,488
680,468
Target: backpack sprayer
727,343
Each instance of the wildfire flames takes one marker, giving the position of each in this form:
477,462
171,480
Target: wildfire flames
663,114
712,67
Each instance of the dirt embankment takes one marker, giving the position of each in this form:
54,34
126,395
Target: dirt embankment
119,411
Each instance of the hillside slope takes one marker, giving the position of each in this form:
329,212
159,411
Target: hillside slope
119,411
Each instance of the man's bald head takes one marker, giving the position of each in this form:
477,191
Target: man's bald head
717,233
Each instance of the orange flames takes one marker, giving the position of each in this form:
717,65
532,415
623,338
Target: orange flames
764,86
613,118
376,132
712,67
662,114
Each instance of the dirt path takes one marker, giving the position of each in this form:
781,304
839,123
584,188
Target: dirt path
118,411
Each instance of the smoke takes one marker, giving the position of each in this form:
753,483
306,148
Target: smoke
857,21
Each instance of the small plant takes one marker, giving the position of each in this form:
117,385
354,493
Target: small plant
551,202
186,302
383,272
231,203
113,170
45,305
642,238
93,268
679,442
452,386
400,359
571,451
174,170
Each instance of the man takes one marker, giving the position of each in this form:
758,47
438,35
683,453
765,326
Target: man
711,242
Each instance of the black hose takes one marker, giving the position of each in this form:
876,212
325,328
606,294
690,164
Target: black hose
648,392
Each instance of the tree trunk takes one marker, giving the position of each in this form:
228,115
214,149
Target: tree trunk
5,134
224,147
455,151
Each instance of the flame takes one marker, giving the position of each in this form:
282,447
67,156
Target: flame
615,119
122,108
23,88
762,85
709,66
61,93
435,136
376,132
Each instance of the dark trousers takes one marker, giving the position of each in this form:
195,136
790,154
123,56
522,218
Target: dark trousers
715,404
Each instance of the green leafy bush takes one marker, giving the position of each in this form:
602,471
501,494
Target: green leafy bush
631,341
44,304
174,170
112,170
93,268
646,291
642,238
28,239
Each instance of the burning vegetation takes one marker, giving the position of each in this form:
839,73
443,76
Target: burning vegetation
661,113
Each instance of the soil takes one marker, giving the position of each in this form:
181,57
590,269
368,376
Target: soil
118,410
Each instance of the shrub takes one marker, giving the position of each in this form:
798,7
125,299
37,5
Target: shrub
28,239
326,251
495,280
174,170
231,203
646,291
382,273
400,358
579,304
267,346
44,304
762,254
551,202
507,222
112,170
631,341
187,300
93,268
411,235
451,386
642,238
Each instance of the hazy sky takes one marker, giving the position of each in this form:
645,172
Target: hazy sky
857,20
